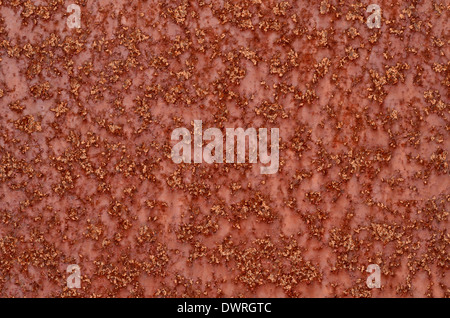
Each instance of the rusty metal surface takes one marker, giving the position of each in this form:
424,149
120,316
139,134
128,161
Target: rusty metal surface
85,170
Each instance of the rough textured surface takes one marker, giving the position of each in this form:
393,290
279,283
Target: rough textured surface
85,170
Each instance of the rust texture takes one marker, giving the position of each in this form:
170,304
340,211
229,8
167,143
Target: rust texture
85,170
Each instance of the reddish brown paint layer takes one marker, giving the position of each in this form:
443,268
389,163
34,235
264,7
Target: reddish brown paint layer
86,176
